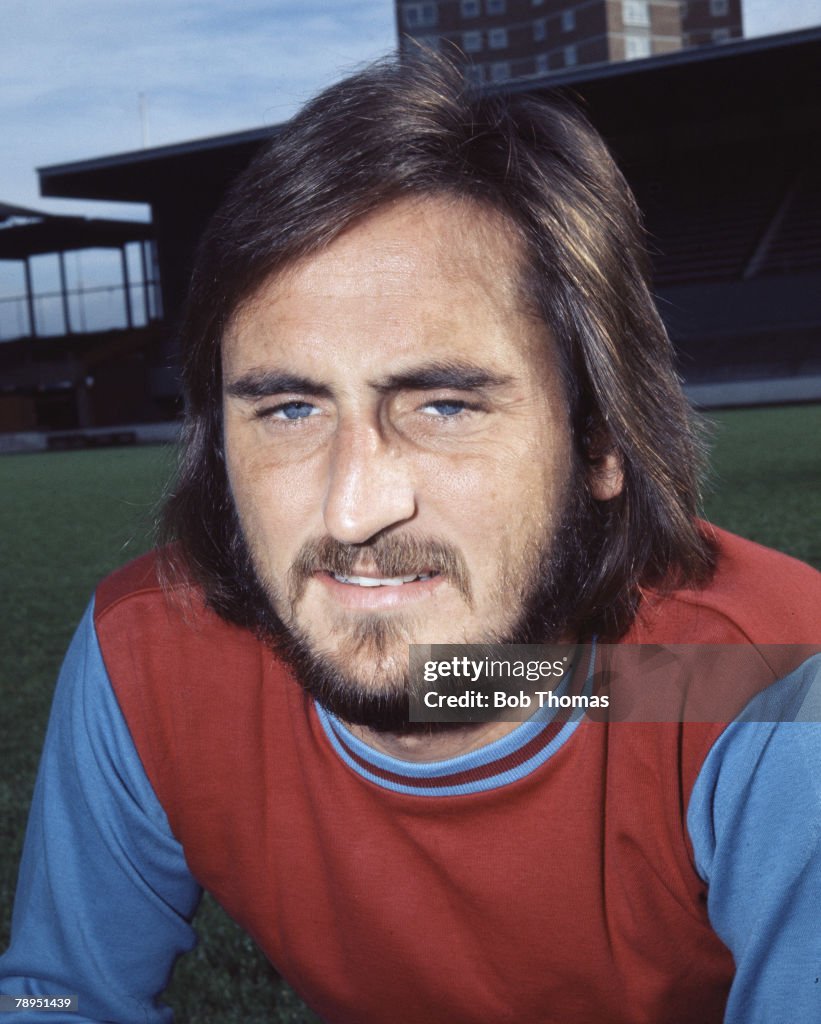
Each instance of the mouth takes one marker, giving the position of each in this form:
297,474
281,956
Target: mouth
381,581
390,572
378,593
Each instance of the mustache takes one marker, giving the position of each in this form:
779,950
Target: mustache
389,555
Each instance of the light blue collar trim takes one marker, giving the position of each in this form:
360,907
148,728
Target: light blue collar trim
341,737
462,789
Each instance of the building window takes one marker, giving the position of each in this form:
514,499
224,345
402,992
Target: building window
474,74
636,12
537,3
568,21
495,6
471,8
721,35
636,47
570,56
472,42
500,71
542,66
539,31
497,38
719,8
420,15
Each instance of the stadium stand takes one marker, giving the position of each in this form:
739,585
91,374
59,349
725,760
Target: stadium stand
721,145
62,366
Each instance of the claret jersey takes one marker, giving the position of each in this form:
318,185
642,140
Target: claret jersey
574,871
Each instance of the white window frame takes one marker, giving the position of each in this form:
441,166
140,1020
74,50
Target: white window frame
568,20
497,39
472,41
542,64
500,71
635,13
540,30
471,8
571,56
721,35
719,8
636,47
495,6
474,73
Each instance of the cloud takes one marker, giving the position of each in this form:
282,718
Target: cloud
72,71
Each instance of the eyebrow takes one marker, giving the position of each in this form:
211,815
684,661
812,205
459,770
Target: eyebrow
264,383
456,375
258,384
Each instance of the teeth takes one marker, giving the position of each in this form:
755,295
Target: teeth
370,581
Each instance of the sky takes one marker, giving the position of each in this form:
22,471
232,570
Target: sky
766,17
72,72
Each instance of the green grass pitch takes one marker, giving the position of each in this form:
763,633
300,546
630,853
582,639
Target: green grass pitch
66,519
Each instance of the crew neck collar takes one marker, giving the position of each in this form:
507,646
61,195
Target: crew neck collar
499,763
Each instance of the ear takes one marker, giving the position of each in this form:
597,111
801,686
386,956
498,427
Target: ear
605,470
605,476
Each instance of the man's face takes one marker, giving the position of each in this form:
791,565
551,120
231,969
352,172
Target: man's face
397,440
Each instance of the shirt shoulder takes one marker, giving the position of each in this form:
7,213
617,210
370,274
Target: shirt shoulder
145,604
140,576
756,595
144,578
194,690
154,625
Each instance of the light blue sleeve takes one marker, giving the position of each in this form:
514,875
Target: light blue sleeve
755,823
104,897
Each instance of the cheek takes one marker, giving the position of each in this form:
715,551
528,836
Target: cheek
520,472
492,507
508,519
279,508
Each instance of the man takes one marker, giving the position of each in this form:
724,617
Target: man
429,401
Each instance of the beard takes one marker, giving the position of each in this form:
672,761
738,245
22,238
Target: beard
548,592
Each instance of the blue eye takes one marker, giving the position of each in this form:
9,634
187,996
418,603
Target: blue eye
295,410
445,408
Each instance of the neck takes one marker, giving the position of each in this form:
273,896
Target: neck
439,746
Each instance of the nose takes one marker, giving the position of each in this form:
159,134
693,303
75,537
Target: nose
370,486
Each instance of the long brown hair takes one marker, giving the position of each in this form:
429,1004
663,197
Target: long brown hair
409,126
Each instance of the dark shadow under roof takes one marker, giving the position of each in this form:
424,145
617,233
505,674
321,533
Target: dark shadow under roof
141,175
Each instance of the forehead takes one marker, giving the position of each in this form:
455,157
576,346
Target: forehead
465,240
441,272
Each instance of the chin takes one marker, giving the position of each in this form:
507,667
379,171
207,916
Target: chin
363,683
